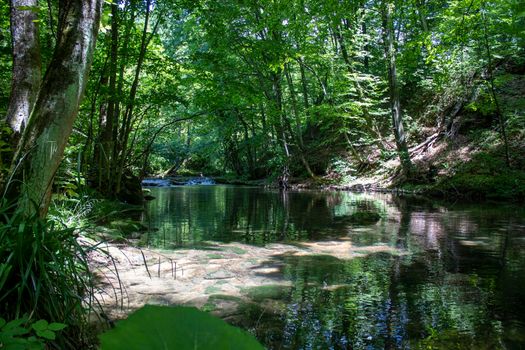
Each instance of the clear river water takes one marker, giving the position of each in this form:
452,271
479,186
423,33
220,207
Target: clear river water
455,281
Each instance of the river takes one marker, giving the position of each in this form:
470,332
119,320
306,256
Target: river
455,278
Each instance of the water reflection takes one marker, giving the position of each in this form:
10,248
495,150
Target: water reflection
458,285
183,216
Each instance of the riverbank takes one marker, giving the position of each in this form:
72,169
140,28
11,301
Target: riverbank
470,167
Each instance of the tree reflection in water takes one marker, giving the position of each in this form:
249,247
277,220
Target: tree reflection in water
458,282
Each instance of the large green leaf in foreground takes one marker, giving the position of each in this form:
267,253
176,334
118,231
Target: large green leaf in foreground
180,328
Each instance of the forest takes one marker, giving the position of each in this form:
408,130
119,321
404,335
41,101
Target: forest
362,162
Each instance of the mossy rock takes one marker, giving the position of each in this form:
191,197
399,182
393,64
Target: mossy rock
216,299
260,293
237,250
360,218
365,217
225,297
214,256
212,289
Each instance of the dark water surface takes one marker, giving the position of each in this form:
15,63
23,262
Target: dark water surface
458,281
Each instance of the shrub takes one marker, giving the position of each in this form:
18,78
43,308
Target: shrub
44,274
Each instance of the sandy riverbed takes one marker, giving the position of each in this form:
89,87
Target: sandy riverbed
215,277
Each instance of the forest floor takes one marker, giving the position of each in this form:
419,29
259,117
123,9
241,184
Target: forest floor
467,166
221,278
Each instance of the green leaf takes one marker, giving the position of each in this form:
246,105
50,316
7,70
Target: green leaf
156,327
40,325
2,322
56,326
13,328
46,334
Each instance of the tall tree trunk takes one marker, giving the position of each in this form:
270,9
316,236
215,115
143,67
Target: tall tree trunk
304,84
128,114
26,64
42,145
298,130
249,148
395,104
278,102
107,125
130,23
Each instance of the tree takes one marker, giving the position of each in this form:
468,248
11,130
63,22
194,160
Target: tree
26,76
395,104
44,138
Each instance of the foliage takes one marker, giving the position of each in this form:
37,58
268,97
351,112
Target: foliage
156,327
20,334
44,274
508,185
485,176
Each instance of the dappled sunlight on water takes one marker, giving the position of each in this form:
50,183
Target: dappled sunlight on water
426,275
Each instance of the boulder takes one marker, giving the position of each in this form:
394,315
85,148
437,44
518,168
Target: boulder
131,189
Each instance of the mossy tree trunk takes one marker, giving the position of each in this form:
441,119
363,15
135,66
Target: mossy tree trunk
42,145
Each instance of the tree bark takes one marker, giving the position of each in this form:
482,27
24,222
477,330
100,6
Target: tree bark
26,64
107,125
395,104
298,130
126,126
42,145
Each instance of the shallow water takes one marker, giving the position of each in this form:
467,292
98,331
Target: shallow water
457,280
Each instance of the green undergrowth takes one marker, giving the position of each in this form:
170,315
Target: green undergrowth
44,275
483,177
96,217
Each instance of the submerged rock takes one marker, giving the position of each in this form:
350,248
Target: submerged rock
360,218
200,181
156,183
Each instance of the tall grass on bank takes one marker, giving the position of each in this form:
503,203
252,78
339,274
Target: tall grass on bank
44,274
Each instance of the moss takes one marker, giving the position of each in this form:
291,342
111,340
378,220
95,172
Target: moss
209,307
225,297
213,300
453,340
214,256
360,218
365,217
485,176
261,293
211,290
237,250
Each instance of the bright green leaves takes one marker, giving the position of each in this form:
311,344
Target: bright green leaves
47,330
156,327
18,334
